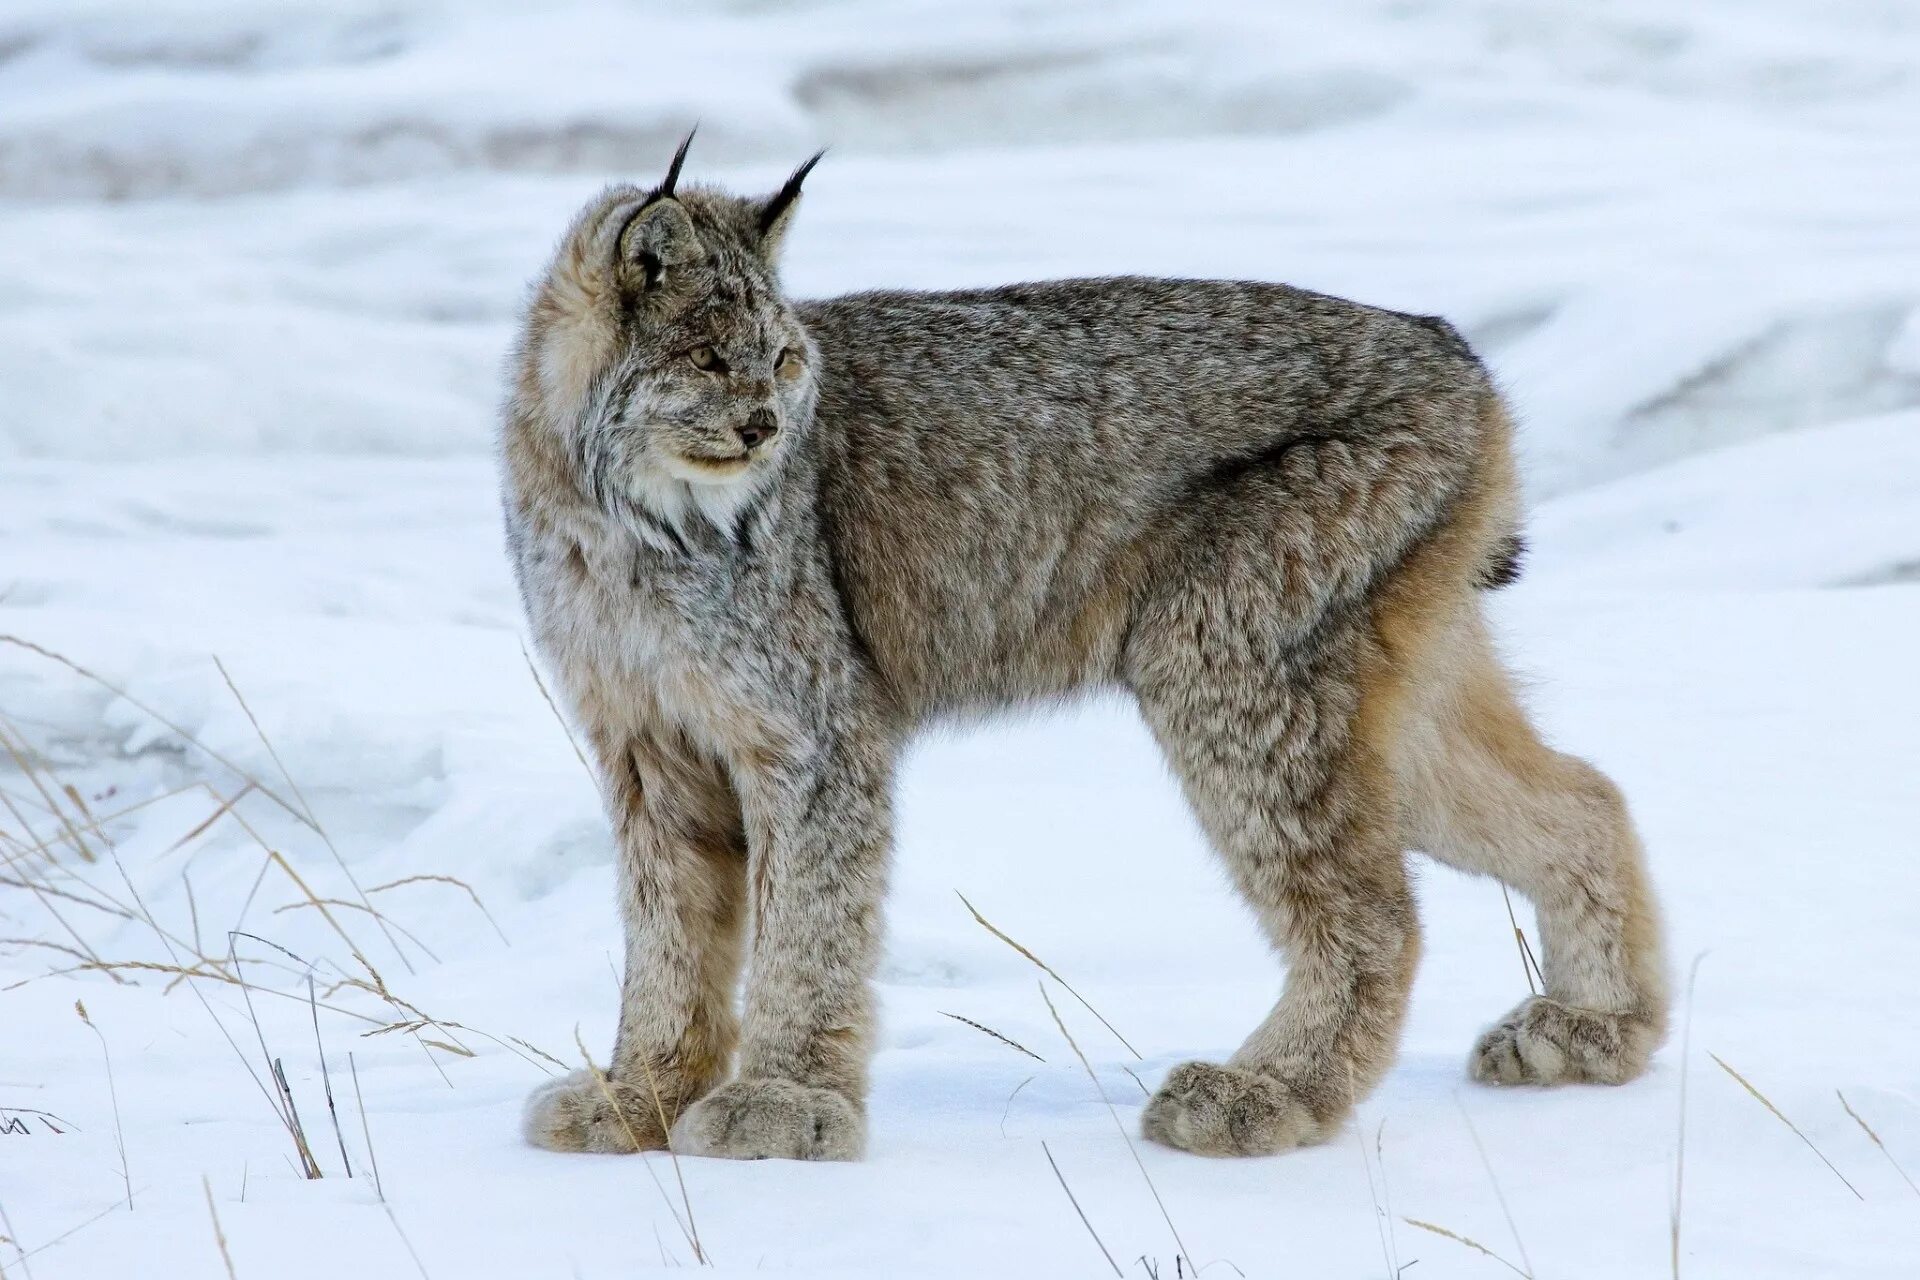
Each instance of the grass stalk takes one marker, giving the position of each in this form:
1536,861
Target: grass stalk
1528,965
309,1167
1382,1220
1075,1202
312,820
1499,1194
13,1238
666,1130
113,1094
366,1130
1045,968
1438,1230
1680,1125
1125,1137
541,685
606,1092
326,1080
1868,1130
452,880
175,729
1780,1115
986,1030
282,1098
413,1253
219,1236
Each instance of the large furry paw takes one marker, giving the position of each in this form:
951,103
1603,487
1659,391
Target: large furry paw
1228,1111
758,1119
1546,1042
582,1112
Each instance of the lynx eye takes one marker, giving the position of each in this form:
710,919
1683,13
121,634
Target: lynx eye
707,360
790,364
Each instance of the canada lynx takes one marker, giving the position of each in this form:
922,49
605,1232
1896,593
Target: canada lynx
762,542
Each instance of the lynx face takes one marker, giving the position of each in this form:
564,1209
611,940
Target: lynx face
715,370
665,350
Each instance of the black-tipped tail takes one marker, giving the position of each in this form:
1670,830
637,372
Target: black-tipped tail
1502,568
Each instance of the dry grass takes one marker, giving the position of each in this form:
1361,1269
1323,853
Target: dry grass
452,880
1499,1194
1529,966
113,1094
679,1177
374,983
150,711
45,1245
989,1031
1045,968
219,1236
1075,1202
688,1230
281,1096
366,1130
343,905
413,1253
63,844
1377,1193
13,1239
13,741
1680,1143
1780,1115
540,684
1438,1230
312,820
1008,1109
1868,1130
1125,1137
326,1079
49,1119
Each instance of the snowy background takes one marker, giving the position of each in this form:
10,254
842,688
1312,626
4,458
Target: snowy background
258,266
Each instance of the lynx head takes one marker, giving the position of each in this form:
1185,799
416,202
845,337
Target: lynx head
661,350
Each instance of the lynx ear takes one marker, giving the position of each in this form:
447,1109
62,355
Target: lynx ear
658,234
776,211
658,238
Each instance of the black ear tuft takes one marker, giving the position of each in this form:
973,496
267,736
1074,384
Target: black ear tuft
782,200
665,189
650,265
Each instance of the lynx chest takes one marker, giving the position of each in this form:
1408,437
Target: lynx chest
697,641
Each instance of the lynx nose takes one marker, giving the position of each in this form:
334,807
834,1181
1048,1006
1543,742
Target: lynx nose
757,429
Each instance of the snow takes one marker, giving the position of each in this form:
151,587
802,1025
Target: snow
258,266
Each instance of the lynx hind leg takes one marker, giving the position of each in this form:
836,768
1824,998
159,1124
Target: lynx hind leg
1486,795
1274,753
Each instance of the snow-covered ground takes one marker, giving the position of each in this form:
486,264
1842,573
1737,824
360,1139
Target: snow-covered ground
258,264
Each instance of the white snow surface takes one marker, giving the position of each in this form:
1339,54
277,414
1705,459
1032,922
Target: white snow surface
258,267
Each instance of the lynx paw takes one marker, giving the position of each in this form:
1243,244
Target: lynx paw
757,1119
1227,1111
1546,1042
582,1112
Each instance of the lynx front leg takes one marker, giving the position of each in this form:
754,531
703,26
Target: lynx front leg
1273,756
820,836
682,892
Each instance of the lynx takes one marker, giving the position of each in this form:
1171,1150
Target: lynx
762,542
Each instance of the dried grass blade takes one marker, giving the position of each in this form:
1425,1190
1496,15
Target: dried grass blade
1045,968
